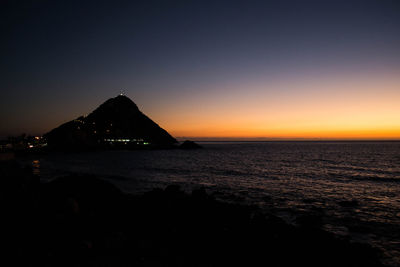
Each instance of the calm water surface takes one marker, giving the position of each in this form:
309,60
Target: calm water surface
353,186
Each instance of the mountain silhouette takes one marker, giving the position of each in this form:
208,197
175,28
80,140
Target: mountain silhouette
118,122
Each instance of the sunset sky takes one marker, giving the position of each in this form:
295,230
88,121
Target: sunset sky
224,69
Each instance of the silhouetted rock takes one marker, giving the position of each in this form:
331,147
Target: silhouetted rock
348,203
309,220
86,221
199,194
118,122
189,145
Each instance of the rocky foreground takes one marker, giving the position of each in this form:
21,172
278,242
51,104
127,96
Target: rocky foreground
86,221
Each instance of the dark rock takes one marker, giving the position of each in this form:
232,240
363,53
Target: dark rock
199,194
173,189
309,200
309,220
267,198
349,203
190,145
118,122
86,221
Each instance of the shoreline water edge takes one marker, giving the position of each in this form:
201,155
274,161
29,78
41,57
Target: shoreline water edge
83,220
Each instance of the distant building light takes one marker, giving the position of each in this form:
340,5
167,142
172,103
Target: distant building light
30,146
126,141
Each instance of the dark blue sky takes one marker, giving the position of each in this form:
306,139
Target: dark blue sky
60,59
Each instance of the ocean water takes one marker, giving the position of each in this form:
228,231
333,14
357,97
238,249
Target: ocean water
352,187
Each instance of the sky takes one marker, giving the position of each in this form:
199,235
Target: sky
206,69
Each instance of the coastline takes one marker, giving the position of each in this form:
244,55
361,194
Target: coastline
83,220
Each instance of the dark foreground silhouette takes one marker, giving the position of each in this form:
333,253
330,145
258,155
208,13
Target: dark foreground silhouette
86,221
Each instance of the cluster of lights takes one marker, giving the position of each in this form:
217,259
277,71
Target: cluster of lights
138,141
123,140
37,142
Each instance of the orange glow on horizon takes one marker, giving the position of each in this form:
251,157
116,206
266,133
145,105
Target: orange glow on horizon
344,134
341,108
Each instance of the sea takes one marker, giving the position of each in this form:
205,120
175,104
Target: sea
352,188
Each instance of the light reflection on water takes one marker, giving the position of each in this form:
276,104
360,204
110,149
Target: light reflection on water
293,177
36,167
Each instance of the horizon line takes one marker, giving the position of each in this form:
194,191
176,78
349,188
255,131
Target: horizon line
269,139
258,139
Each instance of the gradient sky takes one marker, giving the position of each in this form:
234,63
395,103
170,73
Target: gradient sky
274,69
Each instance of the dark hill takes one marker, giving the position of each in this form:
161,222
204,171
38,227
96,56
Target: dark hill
118,122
